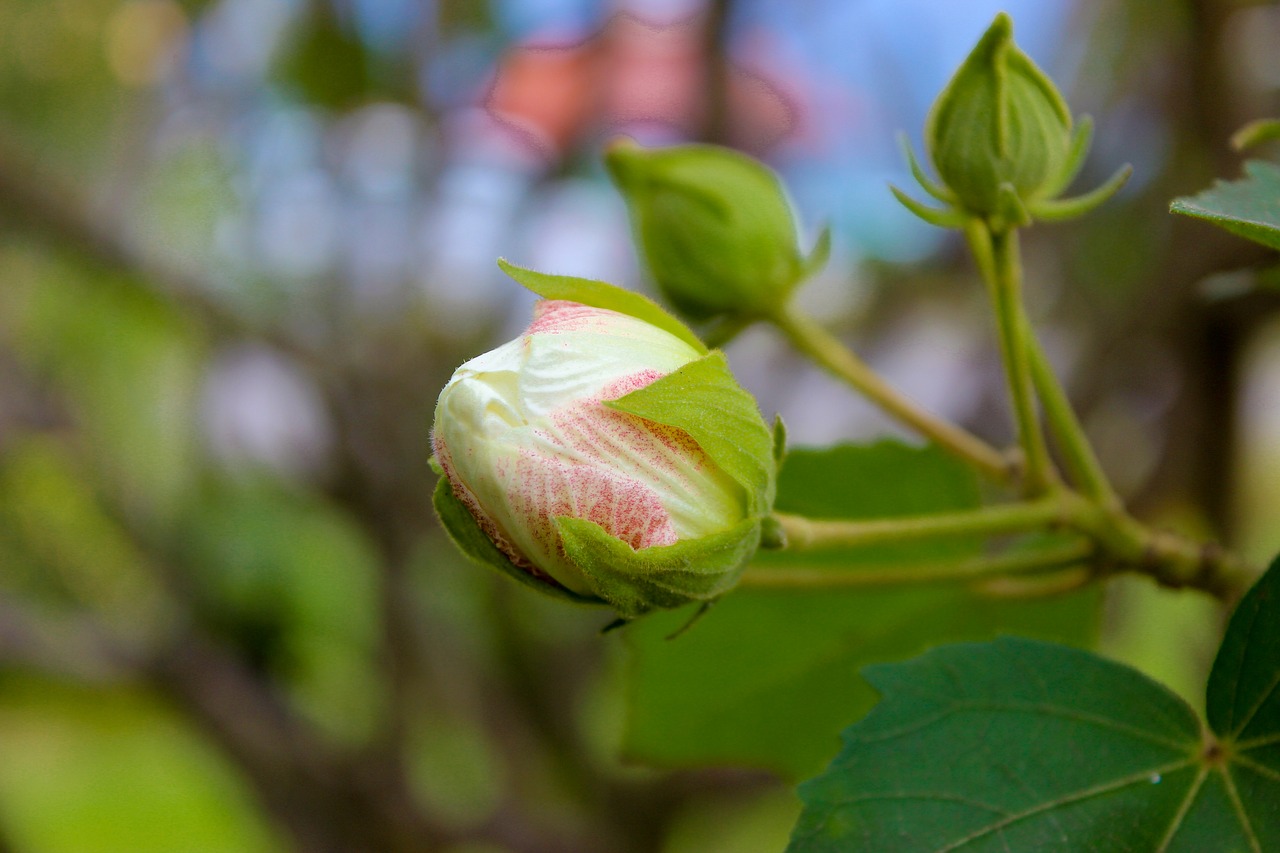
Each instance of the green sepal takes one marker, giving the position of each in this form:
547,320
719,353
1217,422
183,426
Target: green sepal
773,536
703,399
1010,212
1061,209
465,532
1255,132
664,576
820,254
779,441
599,294
928,184
1081,141
941,217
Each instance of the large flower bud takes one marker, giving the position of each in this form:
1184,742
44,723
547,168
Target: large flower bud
713,226
602,457
1000,133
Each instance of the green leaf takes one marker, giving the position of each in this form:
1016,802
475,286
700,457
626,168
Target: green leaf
465,532
1023,745
768,678
1249,207
635,582
599,294
103,767
1243,706
703,399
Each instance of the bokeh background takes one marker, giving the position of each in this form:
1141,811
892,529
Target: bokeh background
243,244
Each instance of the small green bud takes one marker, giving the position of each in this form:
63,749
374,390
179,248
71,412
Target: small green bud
1000,135
713,227
580,457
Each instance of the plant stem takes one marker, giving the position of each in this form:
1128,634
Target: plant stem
807,534
1118,543
1077,452
1169,559
969,569
823,348
998,259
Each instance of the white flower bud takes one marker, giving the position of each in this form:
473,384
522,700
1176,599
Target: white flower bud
526,440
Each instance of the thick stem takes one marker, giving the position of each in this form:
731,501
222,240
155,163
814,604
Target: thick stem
1118,542
824,349
970,569
1003,273
807,534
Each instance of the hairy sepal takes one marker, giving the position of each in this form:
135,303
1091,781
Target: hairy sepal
664,576
471,540
703,399
599,294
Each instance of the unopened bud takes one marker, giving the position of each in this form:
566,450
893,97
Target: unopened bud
713,226
1000,132
572,460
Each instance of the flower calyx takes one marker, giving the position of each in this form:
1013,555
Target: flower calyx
1002,141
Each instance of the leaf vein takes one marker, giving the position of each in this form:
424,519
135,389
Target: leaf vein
1255,742
1257,706
1029,708
1238,806
1076,797
1257,767
1184,807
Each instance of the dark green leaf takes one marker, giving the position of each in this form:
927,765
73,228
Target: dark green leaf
1249,207
1243,705
768,678
1022,745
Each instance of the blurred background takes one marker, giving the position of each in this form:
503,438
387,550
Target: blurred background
243,244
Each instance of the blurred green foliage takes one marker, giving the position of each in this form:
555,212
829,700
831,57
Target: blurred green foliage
115,771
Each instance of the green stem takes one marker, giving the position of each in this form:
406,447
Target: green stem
1001,266
1168,558
1118,543
1077,453
822,347
807,534
969,569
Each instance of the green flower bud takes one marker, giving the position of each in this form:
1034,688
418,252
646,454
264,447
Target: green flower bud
713,227
1000,135
603,458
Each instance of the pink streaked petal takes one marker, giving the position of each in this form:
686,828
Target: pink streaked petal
487,524
549,487
558,316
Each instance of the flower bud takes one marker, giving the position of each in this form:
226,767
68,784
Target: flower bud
713,226
999,135
595,457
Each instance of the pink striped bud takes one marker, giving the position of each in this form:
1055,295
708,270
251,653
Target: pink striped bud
526,440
